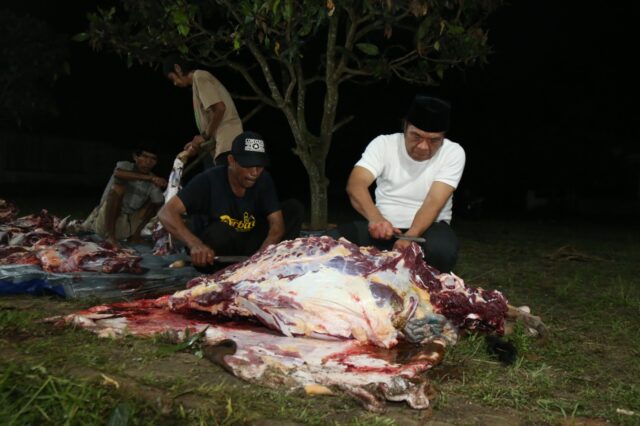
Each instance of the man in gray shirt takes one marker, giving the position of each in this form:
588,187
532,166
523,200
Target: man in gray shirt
132,197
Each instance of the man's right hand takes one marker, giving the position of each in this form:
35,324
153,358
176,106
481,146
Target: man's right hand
193,147
201,254
382,229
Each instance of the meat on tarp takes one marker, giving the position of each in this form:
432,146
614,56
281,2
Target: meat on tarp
42,239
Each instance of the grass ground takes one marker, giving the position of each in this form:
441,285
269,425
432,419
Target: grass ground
583,281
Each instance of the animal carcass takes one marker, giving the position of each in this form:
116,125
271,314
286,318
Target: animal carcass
337,316
323,288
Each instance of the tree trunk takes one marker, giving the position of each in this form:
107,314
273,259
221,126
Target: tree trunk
318,186
314,164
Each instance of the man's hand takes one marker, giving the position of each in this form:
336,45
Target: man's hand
193,147
111,239
201,254
382,229
159,182
136,239
401,244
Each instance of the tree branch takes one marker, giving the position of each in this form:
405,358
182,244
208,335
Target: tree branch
253,112
342,123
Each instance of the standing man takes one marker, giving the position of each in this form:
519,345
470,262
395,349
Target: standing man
132,196
240,203
416,173
215,113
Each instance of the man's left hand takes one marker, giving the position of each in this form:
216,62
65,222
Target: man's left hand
401,244
159,182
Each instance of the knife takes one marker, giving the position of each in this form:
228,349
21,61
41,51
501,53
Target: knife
220,259
408,238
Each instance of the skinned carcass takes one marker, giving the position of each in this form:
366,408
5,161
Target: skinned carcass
258,355
337,317
320,287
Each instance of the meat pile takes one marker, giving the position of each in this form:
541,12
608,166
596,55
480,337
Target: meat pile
321,315
41,239
320,287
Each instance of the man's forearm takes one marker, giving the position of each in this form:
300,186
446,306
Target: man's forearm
273,237
215,112
130,175
176,227
363,203
424,218
433,203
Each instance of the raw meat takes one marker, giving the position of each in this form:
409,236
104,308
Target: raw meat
369,373
163,242
338,318
73,255
8,211
320,287
40,239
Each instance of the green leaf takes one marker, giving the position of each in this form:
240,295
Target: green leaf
183,30
368,49
424,28
179,16
456,30
274,8
288,9
80,37
187,343
120,415
436,45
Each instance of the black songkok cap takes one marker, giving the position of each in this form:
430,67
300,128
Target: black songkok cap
429,114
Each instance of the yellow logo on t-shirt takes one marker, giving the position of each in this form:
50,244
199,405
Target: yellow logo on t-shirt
246,224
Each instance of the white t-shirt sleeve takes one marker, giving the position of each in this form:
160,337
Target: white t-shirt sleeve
373,156
452,168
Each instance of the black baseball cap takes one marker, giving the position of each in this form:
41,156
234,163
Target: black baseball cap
249,150
429,113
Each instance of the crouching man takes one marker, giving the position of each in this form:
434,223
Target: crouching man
132,196
234,208
416,173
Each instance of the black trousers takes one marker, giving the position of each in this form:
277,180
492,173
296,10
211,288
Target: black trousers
227,242
440,248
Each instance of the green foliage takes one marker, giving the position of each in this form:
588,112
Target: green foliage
404,33
26,78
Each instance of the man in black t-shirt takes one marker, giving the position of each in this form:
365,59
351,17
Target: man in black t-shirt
239,202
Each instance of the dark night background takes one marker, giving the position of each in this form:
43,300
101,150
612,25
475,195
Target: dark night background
549,124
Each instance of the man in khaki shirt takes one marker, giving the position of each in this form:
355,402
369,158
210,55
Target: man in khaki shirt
215,113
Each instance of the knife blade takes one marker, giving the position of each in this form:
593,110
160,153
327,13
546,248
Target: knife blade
181,263
408,238
230,259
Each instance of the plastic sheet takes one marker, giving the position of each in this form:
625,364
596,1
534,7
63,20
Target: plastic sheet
157,279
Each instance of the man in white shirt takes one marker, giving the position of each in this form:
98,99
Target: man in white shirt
416,173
